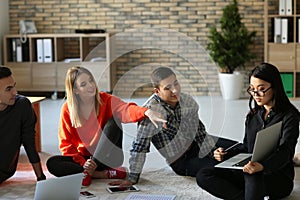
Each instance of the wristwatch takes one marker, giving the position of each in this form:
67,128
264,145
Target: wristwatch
43,177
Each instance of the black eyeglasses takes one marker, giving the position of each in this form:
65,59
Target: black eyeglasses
259,93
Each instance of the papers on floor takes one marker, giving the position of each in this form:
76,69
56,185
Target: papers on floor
134,196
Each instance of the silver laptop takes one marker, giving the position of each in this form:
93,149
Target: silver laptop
265,143
60,188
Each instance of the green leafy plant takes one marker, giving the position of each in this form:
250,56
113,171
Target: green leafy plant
229,48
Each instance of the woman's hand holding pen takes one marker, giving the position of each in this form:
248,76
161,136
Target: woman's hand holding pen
219,154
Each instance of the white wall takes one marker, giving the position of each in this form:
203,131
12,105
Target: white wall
4,24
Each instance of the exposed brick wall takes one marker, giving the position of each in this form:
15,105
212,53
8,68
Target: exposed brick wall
191,18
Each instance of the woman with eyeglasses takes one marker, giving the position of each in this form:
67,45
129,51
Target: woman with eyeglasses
272,177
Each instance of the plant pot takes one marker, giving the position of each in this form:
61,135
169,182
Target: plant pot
231,85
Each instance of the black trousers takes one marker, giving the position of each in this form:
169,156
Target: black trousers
108,153
189,163
237,185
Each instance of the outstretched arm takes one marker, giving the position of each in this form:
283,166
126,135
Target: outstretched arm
155,117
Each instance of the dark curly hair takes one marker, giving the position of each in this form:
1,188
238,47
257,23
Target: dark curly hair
4,72
159,74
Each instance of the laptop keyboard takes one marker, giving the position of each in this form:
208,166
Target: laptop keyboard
242,163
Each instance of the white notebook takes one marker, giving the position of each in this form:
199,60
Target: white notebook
134,196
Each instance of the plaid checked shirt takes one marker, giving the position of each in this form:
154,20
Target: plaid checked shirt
183,127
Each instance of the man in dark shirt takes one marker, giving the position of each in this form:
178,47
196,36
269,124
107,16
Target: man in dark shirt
17,127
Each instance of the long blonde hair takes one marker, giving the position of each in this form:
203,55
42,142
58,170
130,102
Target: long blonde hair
72,98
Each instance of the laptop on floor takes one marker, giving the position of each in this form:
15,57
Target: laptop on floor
265,143
62,188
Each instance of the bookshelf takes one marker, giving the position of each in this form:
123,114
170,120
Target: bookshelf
43,68
282,41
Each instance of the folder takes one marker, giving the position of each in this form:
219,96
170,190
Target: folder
277,30
19,50
282,7
288,7
14,50
40,50
47,50
298,30
288,80
284,30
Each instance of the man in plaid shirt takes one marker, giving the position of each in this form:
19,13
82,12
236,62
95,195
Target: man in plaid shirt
182,141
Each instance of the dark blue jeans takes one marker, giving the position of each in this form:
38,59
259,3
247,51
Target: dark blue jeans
236,185
108,153
190,163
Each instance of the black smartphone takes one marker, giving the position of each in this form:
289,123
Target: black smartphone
87,194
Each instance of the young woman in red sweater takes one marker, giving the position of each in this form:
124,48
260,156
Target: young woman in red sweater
90,131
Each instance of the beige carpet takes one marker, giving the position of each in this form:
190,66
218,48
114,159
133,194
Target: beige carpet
162,181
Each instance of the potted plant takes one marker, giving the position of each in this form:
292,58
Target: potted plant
229,49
